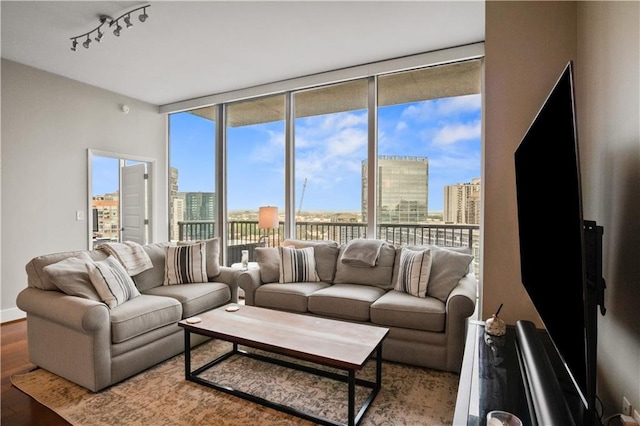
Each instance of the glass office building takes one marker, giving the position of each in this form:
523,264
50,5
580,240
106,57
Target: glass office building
403,188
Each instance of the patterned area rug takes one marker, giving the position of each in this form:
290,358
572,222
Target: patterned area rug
161,396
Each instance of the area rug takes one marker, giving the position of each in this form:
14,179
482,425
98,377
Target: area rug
160,395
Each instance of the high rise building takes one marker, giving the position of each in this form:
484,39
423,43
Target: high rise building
198,205
462,203
106,216
403,189
174,230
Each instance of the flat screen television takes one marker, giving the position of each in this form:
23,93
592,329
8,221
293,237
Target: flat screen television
557,246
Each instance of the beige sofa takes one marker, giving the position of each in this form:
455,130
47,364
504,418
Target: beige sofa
424,331
74,334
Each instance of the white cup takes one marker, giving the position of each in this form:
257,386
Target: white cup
502,418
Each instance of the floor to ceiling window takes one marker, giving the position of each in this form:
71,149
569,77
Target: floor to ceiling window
255,171
192,177
393,155
429,142
330,143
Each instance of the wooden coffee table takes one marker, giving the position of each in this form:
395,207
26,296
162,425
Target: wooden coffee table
339,344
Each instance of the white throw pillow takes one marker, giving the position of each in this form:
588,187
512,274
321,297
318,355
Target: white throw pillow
297,265
112,281
415,268
186,264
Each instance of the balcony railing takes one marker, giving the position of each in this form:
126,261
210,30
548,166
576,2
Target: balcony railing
245,235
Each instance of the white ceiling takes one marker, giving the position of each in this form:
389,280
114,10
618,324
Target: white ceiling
189,49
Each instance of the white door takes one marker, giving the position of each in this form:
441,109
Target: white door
134,203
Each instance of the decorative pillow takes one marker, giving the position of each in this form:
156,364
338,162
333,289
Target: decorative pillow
297,265
186,264
71,277
213,254
325,253
447,268
268,259
111,281
413,276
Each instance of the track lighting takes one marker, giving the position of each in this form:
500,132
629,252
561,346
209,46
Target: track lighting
143,16
110,22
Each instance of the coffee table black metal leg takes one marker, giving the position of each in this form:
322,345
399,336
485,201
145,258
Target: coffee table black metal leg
352,398
187,354
379,368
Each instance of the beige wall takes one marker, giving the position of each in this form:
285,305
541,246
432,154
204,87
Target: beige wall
608,104
48,123
527,45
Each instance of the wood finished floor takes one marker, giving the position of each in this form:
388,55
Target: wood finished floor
18,408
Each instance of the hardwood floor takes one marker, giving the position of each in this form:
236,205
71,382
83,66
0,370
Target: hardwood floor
17,408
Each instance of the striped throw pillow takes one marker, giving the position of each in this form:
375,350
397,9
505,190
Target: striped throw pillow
111,281
186,264
297,265
413,276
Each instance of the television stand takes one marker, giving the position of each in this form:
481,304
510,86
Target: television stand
491,378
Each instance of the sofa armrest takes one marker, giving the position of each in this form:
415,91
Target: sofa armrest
460,305
69,336
229,276
462,300
249,281
70,311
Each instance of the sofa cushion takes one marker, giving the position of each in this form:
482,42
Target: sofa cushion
345,301
38,278
413,274
287,297
398,309
142,314
297,265
155,276
268,259
111,281
379,275
186,264
195,298
70,276
326,254
446,268
213,255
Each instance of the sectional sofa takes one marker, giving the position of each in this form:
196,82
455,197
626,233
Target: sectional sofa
96,339
423,294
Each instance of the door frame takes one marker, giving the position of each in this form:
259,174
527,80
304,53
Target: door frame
151,167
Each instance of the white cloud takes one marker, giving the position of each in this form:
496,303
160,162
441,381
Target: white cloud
271,150
330,147
459,104
451,134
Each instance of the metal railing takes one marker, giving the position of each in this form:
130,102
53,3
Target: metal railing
246,235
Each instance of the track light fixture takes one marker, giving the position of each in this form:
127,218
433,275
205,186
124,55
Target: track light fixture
143,16
110,22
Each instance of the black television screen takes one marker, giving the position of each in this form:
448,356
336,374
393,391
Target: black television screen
550,224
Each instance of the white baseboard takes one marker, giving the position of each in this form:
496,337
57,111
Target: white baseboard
12,314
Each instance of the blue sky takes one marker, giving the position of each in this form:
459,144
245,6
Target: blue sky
329,153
